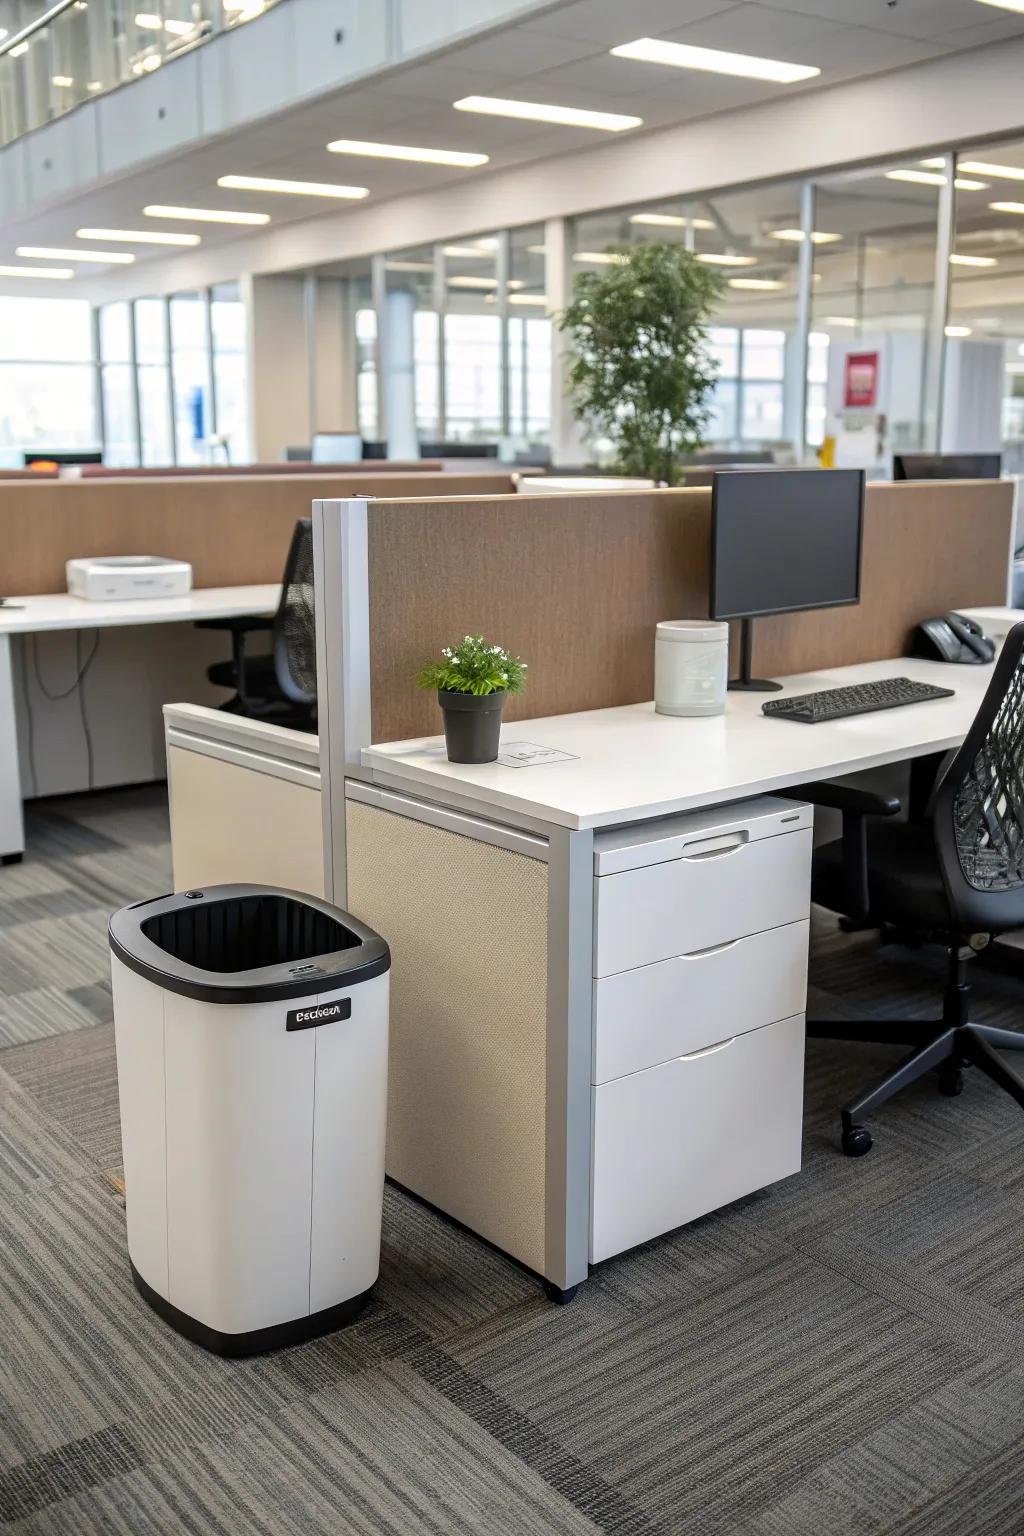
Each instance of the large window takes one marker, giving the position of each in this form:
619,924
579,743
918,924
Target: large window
152,358
117,383
190,376
230,371
47,377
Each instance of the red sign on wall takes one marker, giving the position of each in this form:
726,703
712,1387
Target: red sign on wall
860,390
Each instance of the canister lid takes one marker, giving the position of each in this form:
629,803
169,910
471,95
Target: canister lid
694,631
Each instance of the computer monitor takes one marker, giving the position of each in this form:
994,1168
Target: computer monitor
337,448
64,458
783,541
947,466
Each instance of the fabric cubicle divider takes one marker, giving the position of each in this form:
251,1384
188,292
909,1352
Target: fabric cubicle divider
576,584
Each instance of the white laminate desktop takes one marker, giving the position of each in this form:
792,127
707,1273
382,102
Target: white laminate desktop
631,764
130,674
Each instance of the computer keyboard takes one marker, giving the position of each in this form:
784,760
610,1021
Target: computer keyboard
860,699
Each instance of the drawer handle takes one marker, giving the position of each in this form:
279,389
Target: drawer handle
715,847
712,949
709,1050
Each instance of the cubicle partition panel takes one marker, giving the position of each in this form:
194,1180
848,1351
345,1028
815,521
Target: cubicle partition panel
234,530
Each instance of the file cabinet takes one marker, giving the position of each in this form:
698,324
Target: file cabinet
700,977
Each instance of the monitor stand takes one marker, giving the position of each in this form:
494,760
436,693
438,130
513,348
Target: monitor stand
745,683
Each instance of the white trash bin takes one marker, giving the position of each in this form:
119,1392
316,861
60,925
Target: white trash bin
252,1041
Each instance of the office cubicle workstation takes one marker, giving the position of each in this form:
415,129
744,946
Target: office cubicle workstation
82,683
643,853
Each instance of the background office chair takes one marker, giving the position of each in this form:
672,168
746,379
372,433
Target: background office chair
955,875
280,685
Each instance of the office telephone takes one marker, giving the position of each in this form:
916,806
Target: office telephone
953,637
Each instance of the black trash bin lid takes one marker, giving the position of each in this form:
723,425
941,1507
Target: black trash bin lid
246,944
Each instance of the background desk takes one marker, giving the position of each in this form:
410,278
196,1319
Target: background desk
134,673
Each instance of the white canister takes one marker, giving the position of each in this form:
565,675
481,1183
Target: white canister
691,667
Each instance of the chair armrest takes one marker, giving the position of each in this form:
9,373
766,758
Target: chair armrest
241,625
846,798
856,805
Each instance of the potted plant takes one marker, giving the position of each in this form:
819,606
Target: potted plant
641,372
473,680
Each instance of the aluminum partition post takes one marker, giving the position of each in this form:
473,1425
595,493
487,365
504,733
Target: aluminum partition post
805,289
378,297
935,368
440,310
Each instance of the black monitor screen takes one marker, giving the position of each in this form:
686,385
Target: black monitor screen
947,466
784,540
65,457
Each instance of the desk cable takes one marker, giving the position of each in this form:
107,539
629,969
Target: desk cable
82,665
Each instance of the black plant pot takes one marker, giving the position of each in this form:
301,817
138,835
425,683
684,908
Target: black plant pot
472,725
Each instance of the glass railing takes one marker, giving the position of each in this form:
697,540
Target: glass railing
55,54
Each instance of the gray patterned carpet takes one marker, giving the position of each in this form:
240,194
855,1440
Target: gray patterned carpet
841,1354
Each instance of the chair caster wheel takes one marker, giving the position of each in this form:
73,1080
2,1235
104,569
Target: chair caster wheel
857,1140
556,1294
951,1081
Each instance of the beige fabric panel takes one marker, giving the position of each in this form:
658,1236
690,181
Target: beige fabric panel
467,926
232,824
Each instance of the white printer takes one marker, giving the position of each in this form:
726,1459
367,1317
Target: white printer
108,578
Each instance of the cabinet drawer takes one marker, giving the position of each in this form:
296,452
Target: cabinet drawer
682,1139
646,1016
713,893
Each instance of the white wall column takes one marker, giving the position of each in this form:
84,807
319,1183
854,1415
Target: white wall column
399,375
279,373
567,439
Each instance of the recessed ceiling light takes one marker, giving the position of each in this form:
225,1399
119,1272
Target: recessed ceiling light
958,330
756,284
958,260
137,236
300,188
17,51
1005,5
204,215
47,252
64,81
374,151
147,21
670,221
481,282
543,112
602,258
818,236
147,65
470,252
409,266
654,50
933,179
725,259
840,320
51,272
1007,207
539,299
983,168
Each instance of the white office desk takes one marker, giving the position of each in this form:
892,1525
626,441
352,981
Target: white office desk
631,764
600,963
26,616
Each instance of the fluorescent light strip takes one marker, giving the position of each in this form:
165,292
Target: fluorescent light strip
983,168
51,272
539,299
375,151
1007,207
654,50
409,266
601,258
957,260
933,179
543,112
818,236
481,282
470,252
299,188
670,221
1016,6
55,253
756,284
17,51
725,259
137,236
957,331
841,320
64,81
204,215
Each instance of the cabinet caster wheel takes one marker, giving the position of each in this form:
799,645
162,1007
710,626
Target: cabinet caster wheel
951,1081
857,1140
556,1294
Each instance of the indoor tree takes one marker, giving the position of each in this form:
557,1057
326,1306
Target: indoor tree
641,373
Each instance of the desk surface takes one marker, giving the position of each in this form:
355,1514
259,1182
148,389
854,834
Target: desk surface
58,610
630,763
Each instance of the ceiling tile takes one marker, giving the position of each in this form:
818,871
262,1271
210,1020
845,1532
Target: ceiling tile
858,51
521,51
611,21
926,19
995,31
774,34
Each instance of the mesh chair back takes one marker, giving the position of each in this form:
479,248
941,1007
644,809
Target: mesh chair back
978,806
294,622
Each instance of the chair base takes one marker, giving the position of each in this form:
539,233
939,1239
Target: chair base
948,1044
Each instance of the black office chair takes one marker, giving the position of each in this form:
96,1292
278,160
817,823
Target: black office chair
955,875
279,686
